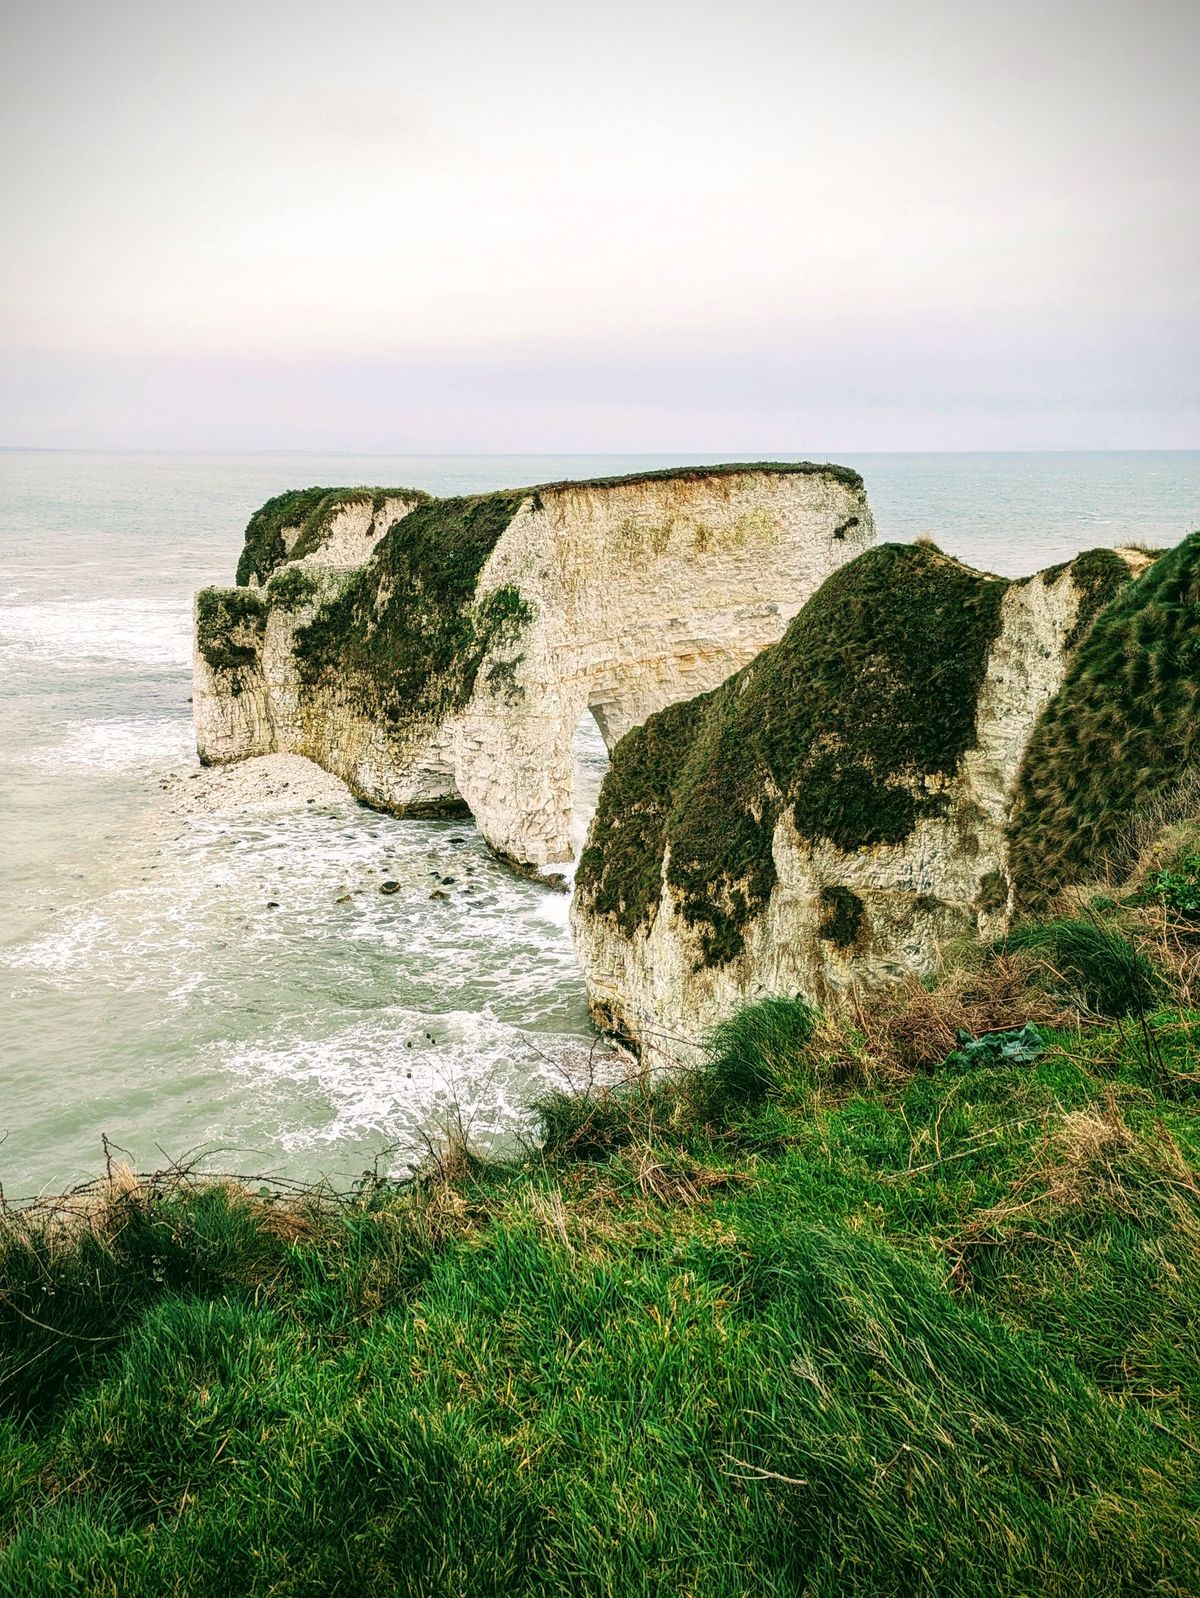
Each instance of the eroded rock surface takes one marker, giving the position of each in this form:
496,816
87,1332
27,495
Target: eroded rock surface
828,816
435,653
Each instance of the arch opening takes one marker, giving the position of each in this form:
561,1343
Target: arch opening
589,762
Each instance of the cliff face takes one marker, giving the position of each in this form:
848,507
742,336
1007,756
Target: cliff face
838,807
440,652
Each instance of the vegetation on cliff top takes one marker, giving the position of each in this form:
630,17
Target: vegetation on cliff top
1121,731
863,1309
852,720
405,632
310,510
229,630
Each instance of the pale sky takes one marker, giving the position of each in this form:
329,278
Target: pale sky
750,227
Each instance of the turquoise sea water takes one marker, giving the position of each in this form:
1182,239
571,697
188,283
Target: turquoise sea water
146,990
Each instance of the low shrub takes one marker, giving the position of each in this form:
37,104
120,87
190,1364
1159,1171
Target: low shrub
1178,888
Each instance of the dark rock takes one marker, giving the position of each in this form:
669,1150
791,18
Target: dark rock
389,886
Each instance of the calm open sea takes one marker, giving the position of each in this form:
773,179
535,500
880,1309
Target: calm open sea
147,991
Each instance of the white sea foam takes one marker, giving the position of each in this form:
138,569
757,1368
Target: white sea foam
77,633
399,1076
136,743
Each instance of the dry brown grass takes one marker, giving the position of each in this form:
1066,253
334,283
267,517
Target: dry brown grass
976,991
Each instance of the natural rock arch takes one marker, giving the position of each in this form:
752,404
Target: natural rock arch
440,652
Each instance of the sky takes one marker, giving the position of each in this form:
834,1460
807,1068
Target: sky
753,226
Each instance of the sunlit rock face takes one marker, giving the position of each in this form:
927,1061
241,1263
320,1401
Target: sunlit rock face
440,653
831,814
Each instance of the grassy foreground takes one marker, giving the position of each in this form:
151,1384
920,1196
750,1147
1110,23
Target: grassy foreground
836,1315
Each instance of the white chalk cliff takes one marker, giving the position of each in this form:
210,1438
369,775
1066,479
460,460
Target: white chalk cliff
433,653
789,848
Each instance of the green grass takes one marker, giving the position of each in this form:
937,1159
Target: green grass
937,1336
230,624
1123,728
1092,963
309,511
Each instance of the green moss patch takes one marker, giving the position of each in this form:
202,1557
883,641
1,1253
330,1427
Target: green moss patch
405,632
310,510
229,630
854,721
842,914
292,588
1123,728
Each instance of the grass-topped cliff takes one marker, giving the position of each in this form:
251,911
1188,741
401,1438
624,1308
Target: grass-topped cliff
1120,733
849,720
406,628
905,1303
307,512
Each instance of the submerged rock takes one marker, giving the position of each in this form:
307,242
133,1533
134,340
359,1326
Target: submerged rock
825,818
438,654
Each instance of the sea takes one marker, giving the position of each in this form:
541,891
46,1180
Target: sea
228,987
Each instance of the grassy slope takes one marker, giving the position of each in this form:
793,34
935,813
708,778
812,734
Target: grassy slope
937,1336
1122,729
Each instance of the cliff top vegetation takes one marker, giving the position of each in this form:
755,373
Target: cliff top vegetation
311,509
405,631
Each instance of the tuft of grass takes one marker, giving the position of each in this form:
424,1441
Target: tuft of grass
1093,962
753,1055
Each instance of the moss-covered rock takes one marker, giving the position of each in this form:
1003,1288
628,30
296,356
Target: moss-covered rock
854,722
230,623
408,628
1123,728
437,651
292,587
